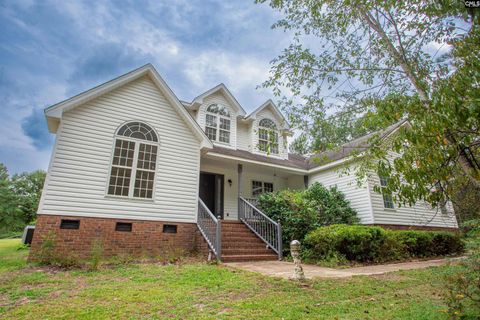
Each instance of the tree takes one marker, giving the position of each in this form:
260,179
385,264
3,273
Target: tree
323,133
28,187
10,214
19,198
466,200
384,61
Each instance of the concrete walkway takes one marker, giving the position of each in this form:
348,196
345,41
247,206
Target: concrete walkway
284,269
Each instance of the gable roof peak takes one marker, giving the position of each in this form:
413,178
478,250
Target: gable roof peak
198,100
54,113
272,105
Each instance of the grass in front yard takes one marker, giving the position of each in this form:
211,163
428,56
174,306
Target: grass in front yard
202,291
13,255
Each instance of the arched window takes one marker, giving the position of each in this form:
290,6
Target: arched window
217,123
134,162
267,136
267,123
138,130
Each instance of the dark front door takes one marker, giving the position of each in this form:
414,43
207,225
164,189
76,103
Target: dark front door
211,192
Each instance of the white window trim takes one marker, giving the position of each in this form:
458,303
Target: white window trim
133,168
269,132
263,186
217,121
383,195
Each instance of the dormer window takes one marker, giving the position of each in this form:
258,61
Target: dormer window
267,136
217,123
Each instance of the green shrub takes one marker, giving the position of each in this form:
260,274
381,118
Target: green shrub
417,243
300,212
330,205
446,243
463,282
96,254
48,255
355,243
358,243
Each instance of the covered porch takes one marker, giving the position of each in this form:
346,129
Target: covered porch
224,179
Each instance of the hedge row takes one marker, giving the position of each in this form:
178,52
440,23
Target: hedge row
375,244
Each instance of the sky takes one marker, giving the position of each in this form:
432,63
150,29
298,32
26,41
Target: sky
52,50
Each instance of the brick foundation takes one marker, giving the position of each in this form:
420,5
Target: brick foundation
407,227
146,238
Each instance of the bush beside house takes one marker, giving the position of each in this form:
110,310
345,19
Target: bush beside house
356,243
300,212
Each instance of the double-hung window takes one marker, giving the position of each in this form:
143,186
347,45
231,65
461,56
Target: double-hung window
259,187
134,162
267,136
387,197
217,123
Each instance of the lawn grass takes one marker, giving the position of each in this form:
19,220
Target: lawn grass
202,291
13,255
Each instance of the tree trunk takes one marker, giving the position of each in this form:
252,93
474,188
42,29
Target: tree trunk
464,162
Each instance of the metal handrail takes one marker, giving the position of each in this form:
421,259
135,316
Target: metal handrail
263,226
211,228
253,201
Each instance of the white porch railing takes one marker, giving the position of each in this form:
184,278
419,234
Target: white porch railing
211,229
253,201
264,227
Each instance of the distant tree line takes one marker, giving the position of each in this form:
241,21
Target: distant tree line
19,198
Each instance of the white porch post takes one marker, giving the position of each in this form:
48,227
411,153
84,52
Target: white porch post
239,186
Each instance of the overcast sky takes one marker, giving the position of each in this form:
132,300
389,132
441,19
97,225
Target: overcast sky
51,50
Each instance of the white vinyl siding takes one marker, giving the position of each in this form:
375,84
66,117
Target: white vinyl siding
79,173
421,214
244,140
296,182
357,195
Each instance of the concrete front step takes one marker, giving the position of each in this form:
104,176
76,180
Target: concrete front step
250,257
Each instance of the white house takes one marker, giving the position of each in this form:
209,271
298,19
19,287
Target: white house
140,170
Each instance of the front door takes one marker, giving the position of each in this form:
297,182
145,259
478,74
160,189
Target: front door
211,192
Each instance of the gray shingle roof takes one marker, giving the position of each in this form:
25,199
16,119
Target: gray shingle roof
355,146
300,162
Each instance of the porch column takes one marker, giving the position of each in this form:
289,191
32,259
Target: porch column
305,181
239,186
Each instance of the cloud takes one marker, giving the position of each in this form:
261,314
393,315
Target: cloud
35,127
106,61
240,73
51,50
